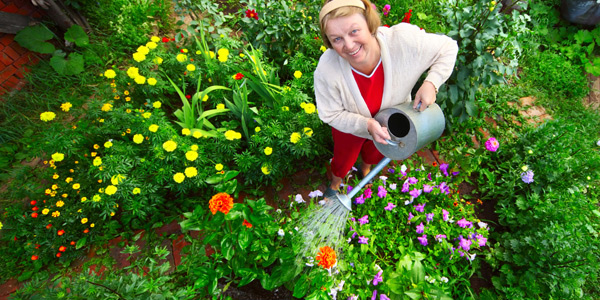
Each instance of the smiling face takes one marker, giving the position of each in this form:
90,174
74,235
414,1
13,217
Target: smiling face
351,39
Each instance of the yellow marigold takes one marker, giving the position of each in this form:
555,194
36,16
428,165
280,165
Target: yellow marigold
47,116
60,203
69,179
191,172
308,131
133,72
151,45
54,186
66,106
56,214
179,177
295,137
139,57
116,179
326,257
220,106
152,81
232,135
155,39
84,220
185,131
107,107
138,138
112,213
181,57
157,60
156,104
211,54
268,150
220,202
83,199
108,144
76,186
223,52
298,74
191,155
55,176
218,167
197,134
136,191
257,129
191,67
110,74
205,98
143,49
64,195
169,146
265,169
153,128
93,154
110,190
58,156
140,79
97,161
147,115
323,48
45,211
92,225
309,108
194,147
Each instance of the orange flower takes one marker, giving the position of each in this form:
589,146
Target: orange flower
326,257
62,248
220,202
34,257
60,232
247,224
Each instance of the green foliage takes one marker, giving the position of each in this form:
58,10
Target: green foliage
555,73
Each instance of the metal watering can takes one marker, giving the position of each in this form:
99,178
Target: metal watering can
409,130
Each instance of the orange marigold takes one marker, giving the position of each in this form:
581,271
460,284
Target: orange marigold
220,202
326,257
247,224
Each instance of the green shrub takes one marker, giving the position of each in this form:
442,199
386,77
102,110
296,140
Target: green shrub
556,74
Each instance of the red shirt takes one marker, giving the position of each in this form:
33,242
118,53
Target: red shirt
371,87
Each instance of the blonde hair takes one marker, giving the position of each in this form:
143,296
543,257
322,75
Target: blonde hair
370,14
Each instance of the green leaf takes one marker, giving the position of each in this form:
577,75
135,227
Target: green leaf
34,38
413,294
244,238
301,287
26,275
418,273
80,242
247,276
71,66
76,35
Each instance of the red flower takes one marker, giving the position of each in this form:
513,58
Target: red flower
251,13
407,16
34,215
188,96
326,257
58,254
34,257
72,243
386,25
165,40
37,246
33,202
181,50
247,224
62,248
239,76
60,232
86,230
35,208
48,226
220,202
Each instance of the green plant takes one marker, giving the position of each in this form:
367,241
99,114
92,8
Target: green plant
556,74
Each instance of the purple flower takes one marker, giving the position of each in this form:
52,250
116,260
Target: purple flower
427,188
445,214
360,199
464,244
423,240
390,206
430,217
363,239
464,223
381,192
410,216
364,220
492,144
391,170
420,228
444,188
348,189
374,295
368,193
412,180
415,193
455,173
392,186
481,240
386,9
439,237
527,177
444,169
429,177
420,207
377,279
405,187
354,235
383,297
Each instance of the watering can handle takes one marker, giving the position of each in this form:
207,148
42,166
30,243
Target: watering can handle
364,181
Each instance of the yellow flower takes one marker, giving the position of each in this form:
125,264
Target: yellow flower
155,39
112,213
309,108
295,137
157,60
116,179
169,146
54,186
139,57
323,49
60,204
151,45
94,154
136,191
156,104
138,138
191,172
190,67
110,190
92,225
185,50
153,128
298,74
66,106
140,79
232,135
242,55
83,199
69,179
146,115
76,186
84,220
211,54
97,161
194,147
55,176
185,131
218,167
285,108
265,169
108,144
197,134
64,195
257,129
268,150
110,74
107,107
308,131
143,49
220,106
47,116
205,98
181,57
58,156
223,52
524,168
191,155
56,214
178,177
45,211
152,81
133,72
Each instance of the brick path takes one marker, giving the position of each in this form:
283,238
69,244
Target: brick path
14,58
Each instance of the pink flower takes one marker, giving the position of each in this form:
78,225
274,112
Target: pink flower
492,144
386,9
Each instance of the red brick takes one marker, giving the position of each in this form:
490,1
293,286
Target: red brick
11,8
20,50
5,59
2,90
6,39
23,60
427,156
10,83
9,287
11,53
2,65
436,154
178,245
7,72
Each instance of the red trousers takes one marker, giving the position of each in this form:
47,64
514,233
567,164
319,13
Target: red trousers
347,148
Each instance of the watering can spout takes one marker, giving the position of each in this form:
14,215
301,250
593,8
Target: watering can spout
344,200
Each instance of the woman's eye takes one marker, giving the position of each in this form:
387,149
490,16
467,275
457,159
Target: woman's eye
355,31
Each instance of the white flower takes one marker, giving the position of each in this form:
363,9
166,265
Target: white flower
378,268
296,228
471,257
407,202
444,279
403,168
482,225
392,186
291,204
322,202
598,142
383,178
315,194
280,232
299,199
278,210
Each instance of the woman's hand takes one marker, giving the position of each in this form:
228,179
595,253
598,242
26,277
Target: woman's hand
425,95
379,134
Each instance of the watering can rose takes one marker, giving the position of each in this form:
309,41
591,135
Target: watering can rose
326,257
220,202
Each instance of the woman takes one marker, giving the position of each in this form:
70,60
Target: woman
367,68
